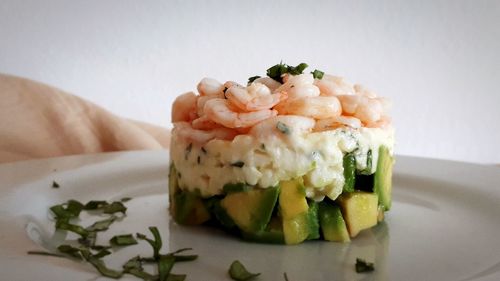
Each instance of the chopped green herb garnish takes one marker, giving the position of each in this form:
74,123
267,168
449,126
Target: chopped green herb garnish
68,210
238,272
198,160
276,72
262,146
70,250
282,127
298,69
44,253
318,74
155,243
253,78
100,266
125,199
95,205
165,264
363,266
285,276
102,253
238,164
115,207
123,240
64,225
55,184
203,150
102,224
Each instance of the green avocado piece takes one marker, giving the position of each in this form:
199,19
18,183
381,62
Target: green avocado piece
332,223
220,213
313,220
251,210
300,217
349,172
189,208
382,180
173,187
273,234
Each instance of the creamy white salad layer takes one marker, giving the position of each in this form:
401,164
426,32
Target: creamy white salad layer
264,161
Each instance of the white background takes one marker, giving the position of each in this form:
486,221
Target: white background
439,61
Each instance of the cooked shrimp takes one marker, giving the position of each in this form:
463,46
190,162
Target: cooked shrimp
363,91
383,123
291,124
314,107
256,96
336,122
299,86
200,102
366,109
210,87
204,123
185,131
222,112
269,82
184,107
331,85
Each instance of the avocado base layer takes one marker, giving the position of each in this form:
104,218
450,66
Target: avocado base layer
283,215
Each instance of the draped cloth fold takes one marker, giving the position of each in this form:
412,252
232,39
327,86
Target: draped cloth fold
39,121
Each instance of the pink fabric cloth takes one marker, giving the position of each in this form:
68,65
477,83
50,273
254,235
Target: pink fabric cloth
39,121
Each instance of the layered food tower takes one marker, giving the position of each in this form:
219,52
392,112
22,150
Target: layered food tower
290,157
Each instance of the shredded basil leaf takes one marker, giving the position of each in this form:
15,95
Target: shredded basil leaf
276,72
238,272
253,78
100,266
165,264
155,243
55,184
44,253
102,224
123,240
238,164
101,253
64,225
115,207
317,74
282,127
95,205
363,266
70,250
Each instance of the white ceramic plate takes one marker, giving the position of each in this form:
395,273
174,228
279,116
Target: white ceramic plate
444,224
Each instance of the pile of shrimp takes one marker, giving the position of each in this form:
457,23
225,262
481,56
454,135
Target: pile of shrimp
222,111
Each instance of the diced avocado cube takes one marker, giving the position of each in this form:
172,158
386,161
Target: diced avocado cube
313,220
292,198
360,210
220,214
349,172
173,187
189,209
332,223
251,210
300,222
273,233
382,181
296,229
